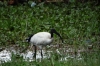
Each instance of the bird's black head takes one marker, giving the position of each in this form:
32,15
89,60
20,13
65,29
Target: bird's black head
29,38
54,31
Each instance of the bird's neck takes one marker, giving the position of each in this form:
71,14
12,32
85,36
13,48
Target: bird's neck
51,34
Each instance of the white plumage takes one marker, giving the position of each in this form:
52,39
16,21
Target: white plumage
41,39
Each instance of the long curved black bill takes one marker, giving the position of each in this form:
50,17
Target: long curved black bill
59,36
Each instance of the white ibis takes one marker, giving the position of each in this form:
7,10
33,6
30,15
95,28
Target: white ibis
41,39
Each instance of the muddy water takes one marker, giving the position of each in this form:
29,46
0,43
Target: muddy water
65,52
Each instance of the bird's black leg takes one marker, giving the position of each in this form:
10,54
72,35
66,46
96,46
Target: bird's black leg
35,48
41,53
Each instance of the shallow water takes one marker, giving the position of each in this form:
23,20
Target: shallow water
65,52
